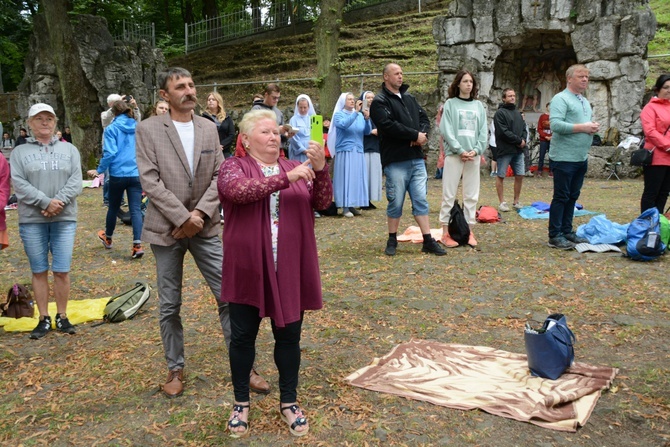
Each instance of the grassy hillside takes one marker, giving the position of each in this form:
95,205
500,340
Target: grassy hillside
661,42
364,48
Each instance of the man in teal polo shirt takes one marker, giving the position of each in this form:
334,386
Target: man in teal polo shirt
572,129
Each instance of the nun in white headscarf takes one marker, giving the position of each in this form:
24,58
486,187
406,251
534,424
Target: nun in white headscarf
345,139
303,110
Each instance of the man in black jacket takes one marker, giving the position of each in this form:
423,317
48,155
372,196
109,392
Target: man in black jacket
402,126
511,136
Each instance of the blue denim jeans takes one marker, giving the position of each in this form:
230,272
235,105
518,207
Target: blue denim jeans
117,185
41,238
105,188
514,160
568,181
402,177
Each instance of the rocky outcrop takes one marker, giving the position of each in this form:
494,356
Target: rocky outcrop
110,66
508,42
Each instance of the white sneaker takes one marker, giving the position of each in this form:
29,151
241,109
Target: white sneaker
503,207
348,214
316,214
518,206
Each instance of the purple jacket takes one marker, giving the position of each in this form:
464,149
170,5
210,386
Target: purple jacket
248,273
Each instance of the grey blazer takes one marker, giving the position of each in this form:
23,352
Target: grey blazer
166,177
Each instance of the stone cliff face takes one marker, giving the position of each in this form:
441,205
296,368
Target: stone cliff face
528,44
110,66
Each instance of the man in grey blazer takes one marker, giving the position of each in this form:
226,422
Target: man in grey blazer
178,157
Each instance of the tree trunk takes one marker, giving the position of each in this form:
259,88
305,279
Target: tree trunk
82,110
187,11
256,15
327,34
209,9
166,16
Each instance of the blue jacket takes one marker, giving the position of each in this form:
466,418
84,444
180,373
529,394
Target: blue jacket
119,148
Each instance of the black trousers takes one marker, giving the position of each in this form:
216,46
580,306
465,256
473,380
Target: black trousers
656,188
244,324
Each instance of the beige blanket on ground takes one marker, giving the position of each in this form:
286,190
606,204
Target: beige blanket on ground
413,234
498,382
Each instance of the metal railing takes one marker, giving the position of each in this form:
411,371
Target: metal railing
134,32
264,17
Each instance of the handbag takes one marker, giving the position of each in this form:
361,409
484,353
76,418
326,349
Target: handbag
19,303
641,156
550,349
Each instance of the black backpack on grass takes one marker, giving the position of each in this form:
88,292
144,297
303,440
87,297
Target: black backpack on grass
459,230
125,305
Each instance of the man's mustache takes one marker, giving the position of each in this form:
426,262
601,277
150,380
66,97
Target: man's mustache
188,98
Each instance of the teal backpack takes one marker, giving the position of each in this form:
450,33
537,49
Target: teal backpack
125,305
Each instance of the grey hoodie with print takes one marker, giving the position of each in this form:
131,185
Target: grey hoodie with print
44,172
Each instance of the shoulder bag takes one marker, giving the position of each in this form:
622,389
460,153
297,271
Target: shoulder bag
550,349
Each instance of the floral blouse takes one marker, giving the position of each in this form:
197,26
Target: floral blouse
269,171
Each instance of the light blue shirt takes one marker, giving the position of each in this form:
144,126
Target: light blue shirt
351,127
297,146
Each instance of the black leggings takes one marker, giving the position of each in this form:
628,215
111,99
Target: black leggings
656,188
244,324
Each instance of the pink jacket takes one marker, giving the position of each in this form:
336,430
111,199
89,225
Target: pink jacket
4,191
655,117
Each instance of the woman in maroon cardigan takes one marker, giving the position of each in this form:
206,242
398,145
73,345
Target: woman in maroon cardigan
270,264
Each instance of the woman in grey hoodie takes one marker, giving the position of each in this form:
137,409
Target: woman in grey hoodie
46,174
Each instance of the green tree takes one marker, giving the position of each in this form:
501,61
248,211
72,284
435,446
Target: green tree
15,30
327,34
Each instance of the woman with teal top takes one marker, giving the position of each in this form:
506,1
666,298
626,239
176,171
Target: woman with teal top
463,127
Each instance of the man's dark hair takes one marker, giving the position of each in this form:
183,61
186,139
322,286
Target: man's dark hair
272,87
505,91
454,91
662,79
23,130
171,73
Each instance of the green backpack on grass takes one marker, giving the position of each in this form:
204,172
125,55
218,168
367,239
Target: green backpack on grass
665,229
125,305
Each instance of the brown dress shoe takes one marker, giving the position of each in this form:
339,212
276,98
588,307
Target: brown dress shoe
174,385
257,384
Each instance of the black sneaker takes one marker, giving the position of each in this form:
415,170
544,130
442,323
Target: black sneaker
560,242
64,325
42,329
391,245
572,237
433,247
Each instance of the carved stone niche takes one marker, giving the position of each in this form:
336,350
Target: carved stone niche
527,45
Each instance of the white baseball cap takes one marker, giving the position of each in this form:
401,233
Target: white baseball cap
41,107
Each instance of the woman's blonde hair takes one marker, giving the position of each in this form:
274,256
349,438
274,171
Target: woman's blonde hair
221,112
252,118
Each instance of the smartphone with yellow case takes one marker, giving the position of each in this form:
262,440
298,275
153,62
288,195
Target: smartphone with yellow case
316,128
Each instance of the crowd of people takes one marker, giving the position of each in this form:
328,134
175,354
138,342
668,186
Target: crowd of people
268,185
